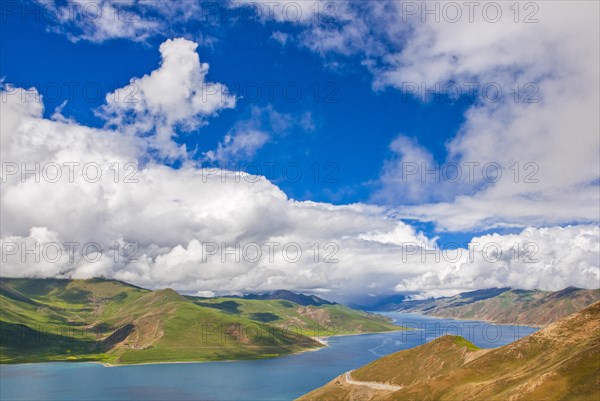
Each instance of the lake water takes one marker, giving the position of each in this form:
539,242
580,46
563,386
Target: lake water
284,378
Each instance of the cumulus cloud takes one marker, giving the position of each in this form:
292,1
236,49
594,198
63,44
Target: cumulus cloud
174,96
192,230
168,214
546,258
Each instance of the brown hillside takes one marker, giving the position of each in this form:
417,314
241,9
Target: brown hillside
560,362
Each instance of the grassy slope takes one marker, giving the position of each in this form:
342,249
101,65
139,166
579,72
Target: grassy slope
325,320
403,368
537,308
110,321
560,362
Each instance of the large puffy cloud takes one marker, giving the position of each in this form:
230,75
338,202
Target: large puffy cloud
174,96
169,219
168,214
547,258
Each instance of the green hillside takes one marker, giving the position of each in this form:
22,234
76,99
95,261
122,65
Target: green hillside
559,362
118,323
313,321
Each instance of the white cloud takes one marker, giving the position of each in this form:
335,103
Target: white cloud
241,146
170,213
280,37
547,258
175,96
138,20
99,20
289,11
557,136
412,176
249,135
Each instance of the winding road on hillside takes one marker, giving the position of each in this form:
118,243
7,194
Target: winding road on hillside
373,385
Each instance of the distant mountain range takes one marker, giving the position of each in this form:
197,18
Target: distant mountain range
500,305
559,362
118,323
300,299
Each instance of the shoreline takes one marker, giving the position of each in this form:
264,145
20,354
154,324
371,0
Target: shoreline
323,341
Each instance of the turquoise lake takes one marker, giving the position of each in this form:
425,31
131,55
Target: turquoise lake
284,378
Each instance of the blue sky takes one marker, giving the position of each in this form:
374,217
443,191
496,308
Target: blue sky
351,131
353,123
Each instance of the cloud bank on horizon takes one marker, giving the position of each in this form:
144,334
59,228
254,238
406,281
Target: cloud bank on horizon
214,231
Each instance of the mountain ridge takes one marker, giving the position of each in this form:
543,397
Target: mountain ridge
299,298
502,305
